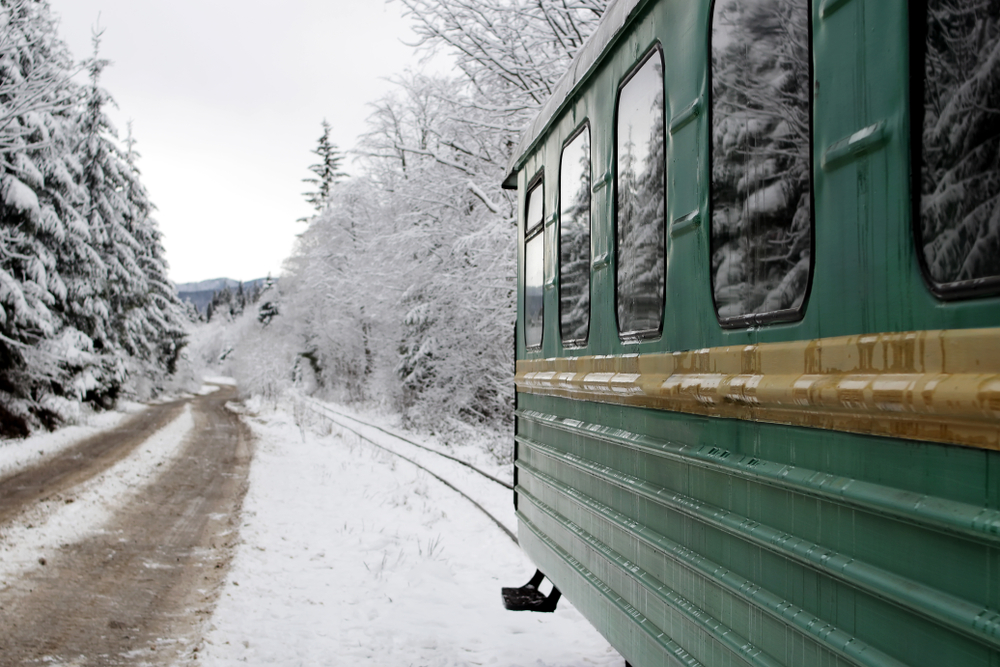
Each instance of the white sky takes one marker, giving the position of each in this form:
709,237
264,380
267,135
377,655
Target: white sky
226,99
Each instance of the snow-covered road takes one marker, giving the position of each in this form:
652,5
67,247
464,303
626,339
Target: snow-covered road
349,555
39,531
113,549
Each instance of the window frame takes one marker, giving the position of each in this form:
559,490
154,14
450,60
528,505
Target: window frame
974,288
786,315
530,233
644,335
574,343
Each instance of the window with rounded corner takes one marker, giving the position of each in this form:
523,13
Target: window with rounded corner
640,200
761,174
957,225
534,267
574,239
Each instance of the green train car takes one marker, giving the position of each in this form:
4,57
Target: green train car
758,340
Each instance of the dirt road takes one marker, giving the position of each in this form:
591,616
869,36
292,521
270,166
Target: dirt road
135,593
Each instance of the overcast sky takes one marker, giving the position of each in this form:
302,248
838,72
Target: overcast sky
226,99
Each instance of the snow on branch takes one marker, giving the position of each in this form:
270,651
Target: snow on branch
403,289
436,157
476,190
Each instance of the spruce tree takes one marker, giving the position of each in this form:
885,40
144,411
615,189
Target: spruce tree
120,284
327,170
40,227
158,318
85,304
239,300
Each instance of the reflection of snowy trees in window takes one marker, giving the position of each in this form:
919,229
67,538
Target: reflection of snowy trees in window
640,200
533,269
574,239
761,211
960,175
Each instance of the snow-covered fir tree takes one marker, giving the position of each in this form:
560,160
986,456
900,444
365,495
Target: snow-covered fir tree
103,303
960,176
86,310
760,161
157,322
326,172
40,223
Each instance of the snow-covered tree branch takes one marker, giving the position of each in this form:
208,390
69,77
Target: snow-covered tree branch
402,289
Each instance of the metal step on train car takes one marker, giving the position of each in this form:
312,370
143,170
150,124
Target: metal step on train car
758,354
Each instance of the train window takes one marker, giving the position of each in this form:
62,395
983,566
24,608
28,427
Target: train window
958,221
534,267
640,200
574,239
762,222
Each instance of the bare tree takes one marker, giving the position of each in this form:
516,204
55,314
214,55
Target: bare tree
508,46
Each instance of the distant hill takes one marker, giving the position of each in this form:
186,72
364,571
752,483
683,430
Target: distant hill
200,293
213,285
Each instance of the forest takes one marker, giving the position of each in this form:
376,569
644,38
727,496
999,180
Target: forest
401,289
87,311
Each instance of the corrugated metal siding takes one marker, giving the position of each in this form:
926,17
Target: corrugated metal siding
740,568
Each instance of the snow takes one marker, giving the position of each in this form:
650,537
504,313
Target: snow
70,517
347,553
219,379
768,200
472,450
350,555
16,455
19,196
29,173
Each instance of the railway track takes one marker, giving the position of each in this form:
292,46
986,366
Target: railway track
338,418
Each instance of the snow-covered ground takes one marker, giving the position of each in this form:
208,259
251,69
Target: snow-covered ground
38,532
16,454
348,554
351,556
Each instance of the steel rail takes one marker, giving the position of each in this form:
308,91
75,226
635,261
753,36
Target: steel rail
415,444
433,474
